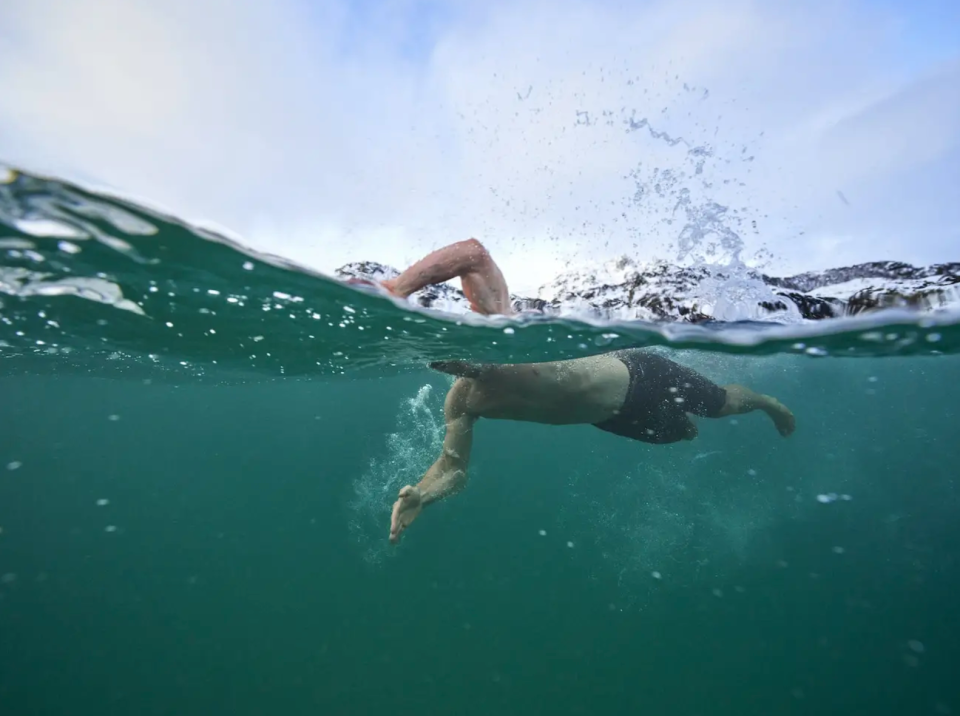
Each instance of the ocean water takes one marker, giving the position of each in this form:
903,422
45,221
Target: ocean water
200,446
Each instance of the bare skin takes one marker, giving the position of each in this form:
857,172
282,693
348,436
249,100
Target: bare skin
482,281
579,391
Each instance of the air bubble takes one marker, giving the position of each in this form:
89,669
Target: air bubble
542,533
247,266
509,331
656,575
103,502
14,465
916,646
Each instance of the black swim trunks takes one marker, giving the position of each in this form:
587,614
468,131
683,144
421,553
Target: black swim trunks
660,395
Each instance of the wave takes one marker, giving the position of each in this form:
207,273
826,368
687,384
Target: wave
97,283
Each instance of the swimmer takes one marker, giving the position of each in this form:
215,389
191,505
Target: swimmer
634,393
482,281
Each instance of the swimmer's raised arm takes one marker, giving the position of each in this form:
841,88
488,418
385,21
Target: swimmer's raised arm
448,474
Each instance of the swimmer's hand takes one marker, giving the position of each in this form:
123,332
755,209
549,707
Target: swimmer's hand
405,510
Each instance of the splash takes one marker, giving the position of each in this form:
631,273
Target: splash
406,455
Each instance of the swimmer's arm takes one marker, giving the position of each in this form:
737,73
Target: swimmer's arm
448,475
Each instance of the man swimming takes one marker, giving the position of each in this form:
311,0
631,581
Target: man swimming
635,393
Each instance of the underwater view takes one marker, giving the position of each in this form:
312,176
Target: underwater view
201,446
479,358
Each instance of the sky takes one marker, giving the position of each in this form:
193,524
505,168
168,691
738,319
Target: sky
792,136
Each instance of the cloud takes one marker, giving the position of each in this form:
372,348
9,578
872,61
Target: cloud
342,131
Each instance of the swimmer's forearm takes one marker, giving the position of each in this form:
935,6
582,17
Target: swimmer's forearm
440,481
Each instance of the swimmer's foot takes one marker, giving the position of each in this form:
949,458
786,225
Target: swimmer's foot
405,510
781,416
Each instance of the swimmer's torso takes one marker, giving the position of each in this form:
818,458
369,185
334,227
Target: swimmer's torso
583,390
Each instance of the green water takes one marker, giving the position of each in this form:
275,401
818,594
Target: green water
196,519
